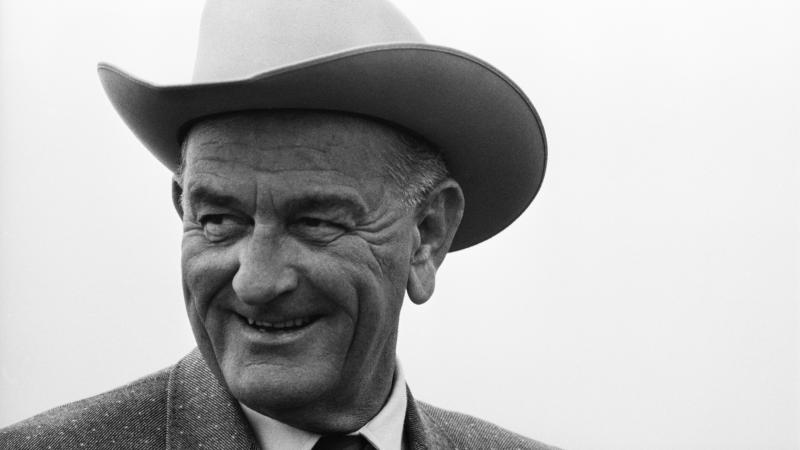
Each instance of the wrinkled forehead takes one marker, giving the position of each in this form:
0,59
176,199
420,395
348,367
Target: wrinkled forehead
317,147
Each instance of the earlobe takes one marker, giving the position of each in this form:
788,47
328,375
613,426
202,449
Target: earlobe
177,197
421,281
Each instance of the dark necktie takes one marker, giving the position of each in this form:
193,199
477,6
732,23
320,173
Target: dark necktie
342,442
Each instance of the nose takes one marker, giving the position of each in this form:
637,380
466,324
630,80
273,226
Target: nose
265,269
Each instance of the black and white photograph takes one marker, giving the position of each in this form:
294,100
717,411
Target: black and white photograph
400,224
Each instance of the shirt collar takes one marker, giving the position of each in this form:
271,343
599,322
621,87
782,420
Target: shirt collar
384,431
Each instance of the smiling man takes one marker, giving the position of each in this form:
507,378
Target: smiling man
325,159
298,248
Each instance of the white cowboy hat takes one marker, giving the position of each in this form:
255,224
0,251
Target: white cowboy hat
356,56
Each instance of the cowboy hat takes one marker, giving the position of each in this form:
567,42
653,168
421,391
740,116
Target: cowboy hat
356,56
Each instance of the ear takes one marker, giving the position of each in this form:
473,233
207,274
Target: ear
438,218
177,195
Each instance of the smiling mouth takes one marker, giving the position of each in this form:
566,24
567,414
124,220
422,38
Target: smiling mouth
280,327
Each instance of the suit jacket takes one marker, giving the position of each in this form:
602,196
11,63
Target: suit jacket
185,407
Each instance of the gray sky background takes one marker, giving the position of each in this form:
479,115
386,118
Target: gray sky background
647,299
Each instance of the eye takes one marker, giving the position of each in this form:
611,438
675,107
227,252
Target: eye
219,227
314,222
316,229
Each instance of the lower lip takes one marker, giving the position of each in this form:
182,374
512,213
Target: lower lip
277,336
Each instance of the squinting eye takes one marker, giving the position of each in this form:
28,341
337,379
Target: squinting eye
218,227
313,222
319,230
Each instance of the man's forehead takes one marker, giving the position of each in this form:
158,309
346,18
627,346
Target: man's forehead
317,139
216,158
299,150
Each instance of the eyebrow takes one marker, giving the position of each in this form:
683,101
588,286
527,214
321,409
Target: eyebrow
325,201
314,201
205,196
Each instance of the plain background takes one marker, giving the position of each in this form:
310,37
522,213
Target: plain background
647,300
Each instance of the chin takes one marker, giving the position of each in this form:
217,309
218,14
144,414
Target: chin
272,389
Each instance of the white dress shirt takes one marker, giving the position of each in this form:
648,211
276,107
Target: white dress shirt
384,431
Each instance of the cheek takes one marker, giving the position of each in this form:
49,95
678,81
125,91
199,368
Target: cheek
372,278
394,277
342,274
336,274
206,271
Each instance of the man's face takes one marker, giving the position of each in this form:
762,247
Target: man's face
295,258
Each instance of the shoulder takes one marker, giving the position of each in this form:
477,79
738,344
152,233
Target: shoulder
467,432
131,414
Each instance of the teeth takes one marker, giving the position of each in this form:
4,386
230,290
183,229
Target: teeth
280,325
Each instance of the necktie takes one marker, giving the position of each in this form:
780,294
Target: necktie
342,442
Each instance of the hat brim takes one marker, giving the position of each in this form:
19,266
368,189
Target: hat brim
485,127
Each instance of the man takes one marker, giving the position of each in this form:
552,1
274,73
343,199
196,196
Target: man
326,160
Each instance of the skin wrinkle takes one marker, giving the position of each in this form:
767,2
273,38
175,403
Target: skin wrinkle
212,172
413,167
278,170
201,172
337,377
245,144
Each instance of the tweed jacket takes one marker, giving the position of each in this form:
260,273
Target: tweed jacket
185,407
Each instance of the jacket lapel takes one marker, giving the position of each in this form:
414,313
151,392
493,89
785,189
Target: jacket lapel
201,413
420,431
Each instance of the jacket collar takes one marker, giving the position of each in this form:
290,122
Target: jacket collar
421,431
201,413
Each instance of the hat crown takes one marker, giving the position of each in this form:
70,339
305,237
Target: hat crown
242,38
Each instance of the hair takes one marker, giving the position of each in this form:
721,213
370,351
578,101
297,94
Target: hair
415,169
